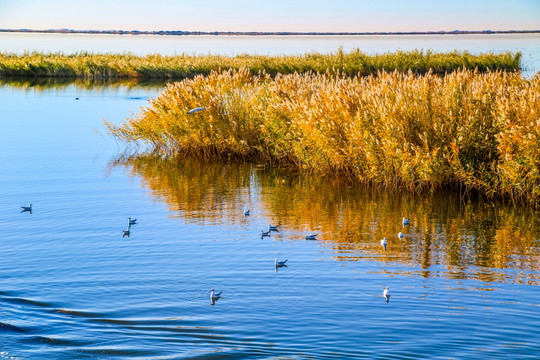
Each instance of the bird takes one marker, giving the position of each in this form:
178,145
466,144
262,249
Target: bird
126,232
311,237
265,233
214,296
383,243
400,235
132,222
386,294
280,263
246,212
197,109
27,208
273,228
406,221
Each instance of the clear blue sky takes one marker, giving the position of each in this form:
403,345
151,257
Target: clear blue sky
272,15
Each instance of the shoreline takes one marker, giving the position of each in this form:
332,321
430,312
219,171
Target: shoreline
270,33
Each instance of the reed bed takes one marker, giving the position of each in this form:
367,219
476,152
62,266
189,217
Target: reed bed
106,66
468,130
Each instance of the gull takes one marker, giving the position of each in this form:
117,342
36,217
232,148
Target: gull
406,221
197,109
27,208
214,296
273,228
280,263
400,235
246,212
386,294
265,233
126,232
311,237
132,222
383,243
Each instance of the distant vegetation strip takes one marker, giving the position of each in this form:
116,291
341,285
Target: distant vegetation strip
469,130
108,66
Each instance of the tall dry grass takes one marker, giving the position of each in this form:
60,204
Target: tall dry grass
469,130
105,66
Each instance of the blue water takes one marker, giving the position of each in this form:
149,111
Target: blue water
464,280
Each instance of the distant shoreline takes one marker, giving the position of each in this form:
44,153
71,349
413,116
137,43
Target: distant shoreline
255,33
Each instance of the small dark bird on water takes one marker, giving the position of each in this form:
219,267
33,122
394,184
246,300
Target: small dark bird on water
126,233
27,208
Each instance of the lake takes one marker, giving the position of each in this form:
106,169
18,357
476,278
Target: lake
528,44
463,279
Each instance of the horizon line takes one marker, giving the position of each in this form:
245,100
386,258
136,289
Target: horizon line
259,33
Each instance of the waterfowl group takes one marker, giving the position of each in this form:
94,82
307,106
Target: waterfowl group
214,296
400,235
131,222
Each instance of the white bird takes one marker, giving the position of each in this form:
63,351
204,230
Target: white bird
386,294
214,296
27,208
280,263
126,233
406,221
311,237
400,235
132,222
197,109
246,212
265,233
383,243
273,228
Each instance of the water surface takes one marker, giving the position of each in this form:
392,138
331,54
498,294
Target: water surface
464,279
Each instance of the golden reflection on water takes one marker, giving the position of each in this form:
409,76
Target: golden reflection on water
448,236
41,83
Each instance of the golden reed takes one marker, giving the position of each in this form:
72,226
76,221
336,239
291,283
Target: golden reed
467,129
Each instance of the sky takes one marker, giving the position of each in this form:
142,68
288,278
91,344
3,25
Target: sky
272,15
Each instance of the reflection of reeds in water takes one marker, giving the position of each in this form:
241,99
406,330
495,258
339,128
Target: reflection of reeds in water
43,83
107,66
464,130
465,237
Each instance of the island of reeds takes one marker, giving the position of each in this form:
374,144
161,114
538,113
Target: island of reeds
477,131
351,63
